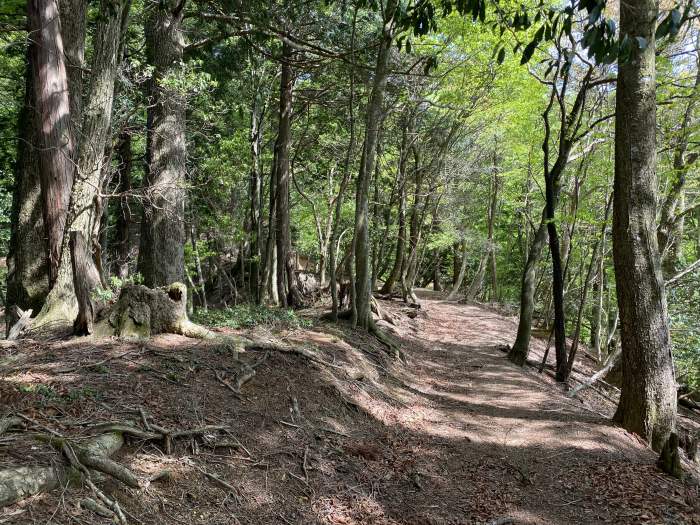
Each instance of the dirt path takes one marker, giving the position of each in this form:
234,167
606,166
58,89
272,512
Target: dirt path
456,435
490,440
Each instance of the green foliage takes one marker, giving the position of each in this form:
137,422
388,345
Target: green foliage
249,316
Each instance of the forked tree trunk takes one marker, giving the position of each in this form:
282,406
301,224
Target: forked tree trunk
161,253
61,304
648,395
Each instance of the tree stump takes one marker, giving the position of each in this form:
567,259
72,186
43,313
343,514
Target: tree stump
141,312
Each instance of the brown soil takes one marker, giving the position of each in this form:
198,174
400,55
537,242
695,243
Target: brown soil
456,435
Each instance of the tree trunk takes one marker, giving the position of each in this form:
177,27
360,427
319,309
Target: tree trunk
55,140
648,395
198,264
289,294
123,225
337,212
61,302
397,268
161,255
255,195
361,300
85,280
437,272
584,294
73,25
597,313
462,271
27,270
557,281
521,346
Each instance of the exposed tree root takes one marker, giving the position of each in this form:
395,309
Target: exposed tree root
83,461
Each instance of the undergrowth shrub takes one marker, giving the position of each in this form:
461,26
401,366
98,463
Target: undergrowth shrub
249,316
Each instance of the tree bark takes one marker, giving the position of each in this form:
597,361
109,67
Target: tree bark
462,271
337,212
648,396
289,294
397,268
361,299
55,140
256,135
27,269
85,280
61,302
123,226
161,254
521,346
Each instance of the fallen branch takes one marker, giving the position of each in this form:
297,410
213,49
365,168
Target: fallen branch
610,362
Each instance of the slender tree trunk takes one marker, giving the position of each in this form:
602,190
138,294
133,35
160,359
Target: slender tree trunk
648,395
361,299
597,313
397,268
437,272
161,254
557,283
123,225
584,293
337,212
198,264
521,346
462,271
256,136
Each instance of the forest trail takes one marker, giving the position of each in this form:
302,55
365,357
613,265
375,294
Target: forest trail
455,435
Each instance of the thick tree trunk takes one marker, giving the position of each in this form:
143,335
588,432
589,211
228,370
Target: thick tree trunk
73,25
55,140
161,254
361,300
61,303
27,269
648,395
289,294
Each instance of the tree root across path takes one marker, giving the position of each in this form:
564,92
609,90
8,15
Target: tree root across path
86,461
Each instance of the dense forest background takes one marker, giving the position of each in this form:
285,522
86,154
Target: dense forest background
281,153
